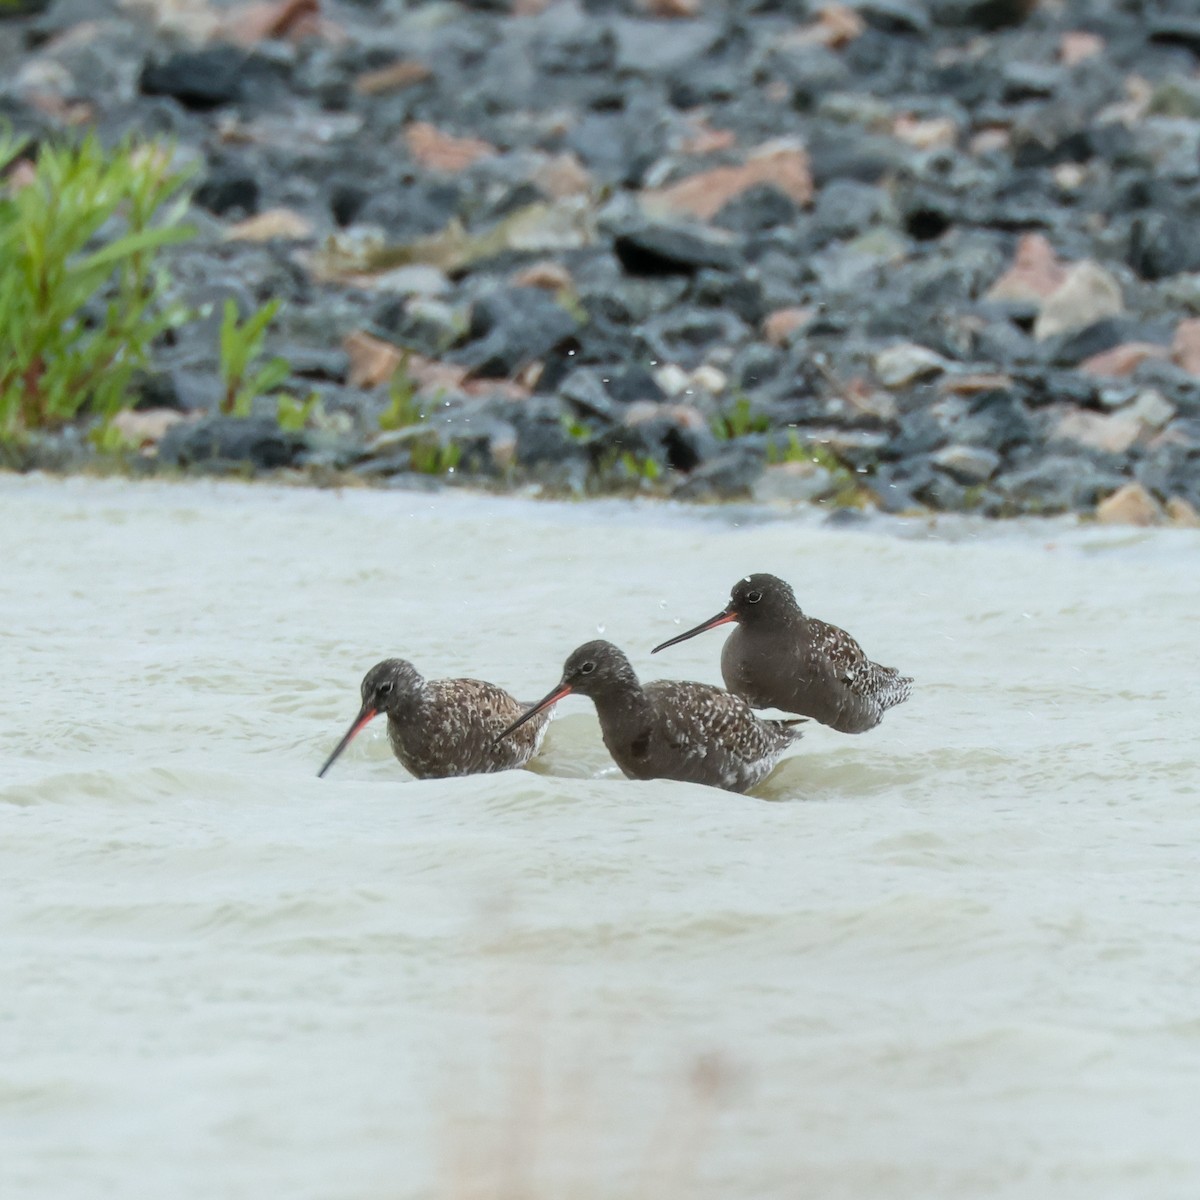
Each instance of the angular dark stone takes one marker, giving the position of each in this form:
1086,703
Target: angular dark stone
998,421
686,336
1058,483
512,326
982,14
920,432
1162,244
847,207
1176,31
672,250
631,383
227,189
756,210
1070,349
895,16
1048,386
207,78
541,436
253,441
585,391
740,292
729,475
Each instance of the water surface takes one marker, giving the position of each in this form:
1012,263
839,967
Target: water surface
957,956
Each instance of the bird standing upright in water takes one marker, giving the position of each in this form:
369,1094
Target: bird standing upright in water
692,732
443,727
778,657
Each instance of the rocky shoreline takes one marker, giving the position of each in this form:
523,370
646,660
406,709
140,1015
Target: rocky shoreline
893,254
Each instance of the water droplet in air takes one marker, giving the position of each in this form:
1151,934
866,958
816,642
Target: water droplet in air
599,628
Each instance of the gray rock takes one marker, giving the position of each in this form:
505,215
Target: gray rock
981,14
512,326
655,47
1088,294
210,77
1058,483
1071,348
228,190
758,210
967,465
998,421
420,323
894,16
232,441
811,71
847,207
795,482
906,364
585,391
628,384
1176,30
660,249
1030,81
541,436
1162,244
731,474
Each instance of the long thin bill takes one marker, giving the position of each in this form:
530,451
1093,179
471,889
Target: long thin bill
554,697
366,715
722,618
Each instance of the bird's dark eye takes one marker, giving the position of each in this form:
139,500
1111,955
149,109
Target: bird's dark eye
753,597
385,688
587,668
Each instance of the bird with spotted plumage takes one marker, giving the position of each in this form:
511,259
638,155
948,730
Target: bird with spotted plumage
669,729
779,657
443,727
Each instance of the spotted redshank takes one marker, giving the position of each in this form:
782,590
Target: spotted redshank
670,730
443,727
779,658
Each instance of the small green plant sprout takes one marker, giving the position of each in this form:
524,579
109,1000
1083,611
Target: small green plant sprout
294,415
639,468
738,419
405,408
575,429
430,456
241,345
82,276
793,450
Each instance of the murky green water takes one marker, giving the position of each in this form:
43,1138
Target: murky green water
959,956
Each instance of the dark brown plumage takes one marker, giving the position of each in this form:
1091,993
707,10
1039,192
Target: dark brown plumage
692,732
778,657
443,727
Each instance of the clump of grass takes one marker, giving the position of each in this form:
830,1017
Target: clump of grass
639,467
845,491
405,407
80,244
615,468
241,345
431,457
738,419
796,450
294,415
575,429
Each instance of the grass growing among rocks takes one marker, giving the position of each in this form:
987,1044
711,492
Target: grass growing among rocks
241,346
81,234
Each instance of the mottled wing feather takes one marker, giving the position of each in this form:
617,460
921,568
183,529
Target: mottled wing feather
461,719
884,685
699,717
